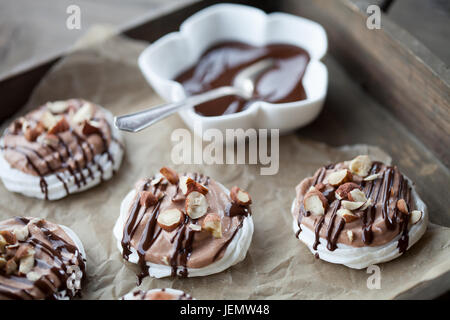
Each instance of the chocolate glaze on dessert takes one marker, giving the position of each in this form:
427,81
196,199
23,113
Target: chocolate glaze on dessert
234,209
179,246
221,63
73,150
378,224
54,253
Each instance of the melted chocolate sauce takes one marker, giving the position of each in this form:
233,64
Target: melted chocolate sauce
233,209
369,214
331,243
221,63
317,232
403,220
329,193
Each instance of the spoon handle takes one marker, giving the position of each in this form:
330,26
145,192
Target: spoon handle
140,120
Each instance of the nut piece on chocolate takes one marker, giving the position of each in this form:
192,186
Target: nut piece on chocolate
170,175
415,217
402,206
60,126
350,235
21,233
9,237
170,219
373,177
90,127
339,177
315,203
32,132
86,112
56,107
15,258
48,120
360,165
347,215
195,227
196,205
357,195
344,189
187,185
240,197
213,224
351,205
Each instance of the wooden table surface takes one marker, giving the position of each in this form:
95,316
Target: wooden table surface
428,21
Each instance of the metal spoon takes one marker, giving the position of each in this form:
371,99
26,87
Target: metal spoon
243,86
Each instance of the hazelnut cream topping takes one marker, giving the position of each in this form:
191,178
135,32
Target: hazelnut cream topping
58,136
34,259
357,203
182,221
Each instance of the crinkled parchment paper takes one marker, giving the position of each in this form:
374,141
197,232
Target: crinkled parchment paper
277,265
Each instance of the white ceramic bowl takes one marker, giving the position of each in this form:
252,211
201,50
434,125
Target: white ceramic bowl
172,54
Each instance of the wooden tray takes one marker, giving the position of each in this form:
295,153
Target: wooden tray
385,89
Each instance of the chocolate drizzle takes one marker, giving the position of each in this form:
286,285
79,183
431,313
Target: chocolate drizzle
403,219
331,245
131,225
331,242
317,232
77,165
61,253
318,178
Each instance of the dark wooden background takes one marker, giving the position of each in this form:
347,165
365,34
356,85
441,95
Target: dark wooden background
33,30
